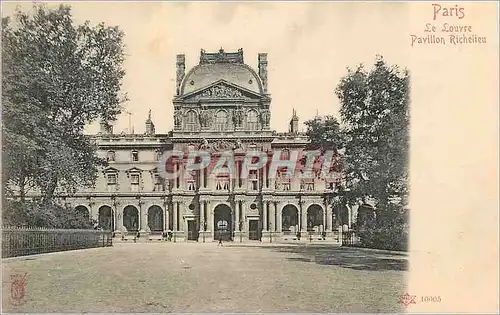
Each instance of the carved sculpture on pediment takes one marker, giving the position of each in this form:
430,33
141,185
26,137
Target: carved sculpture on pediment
221,91
222,145
265,116
238,117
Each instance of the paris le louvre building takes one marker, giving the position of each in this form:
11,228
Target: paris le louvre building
220,104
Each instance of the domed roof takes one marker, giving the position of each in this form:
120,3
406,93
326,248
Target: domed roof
213,68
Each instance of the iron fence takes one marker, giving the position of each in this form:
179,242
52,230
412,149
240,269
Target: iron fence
349,238
21,241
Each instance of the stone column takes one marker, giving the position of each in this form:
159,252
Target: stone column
210,218
328,217
324,219
139,216
244,218
202,216
180,216
237,215
174,216
272,216
265,211
143,217
279,217
166,219
303,219
264,176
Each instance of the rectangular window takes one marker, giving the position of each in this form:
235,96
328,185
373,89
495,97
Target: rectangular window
253,180
135,156
112,182
111,179
134,181
158,183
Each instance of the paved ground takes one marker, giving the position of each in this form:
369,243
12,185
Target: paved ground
166,277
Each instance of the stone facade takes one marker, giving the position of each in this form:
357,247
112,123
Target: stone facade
221,104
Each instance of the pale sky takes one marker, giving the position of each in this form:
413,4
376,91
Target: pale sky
454,106
309,46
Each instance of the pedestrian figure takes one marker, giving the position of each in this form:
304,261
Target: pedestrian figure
220,241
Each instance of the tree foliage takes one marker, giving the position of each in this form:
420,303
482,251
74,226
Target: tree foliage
33,213
57,77
373,135
325,132
375,119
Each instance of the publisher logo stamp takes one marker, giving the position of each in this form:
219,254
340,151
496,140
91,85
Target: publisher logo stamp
408,299
18,289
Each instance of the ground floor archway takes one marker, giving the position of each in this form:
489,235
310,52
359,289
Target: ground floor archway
223,222
131,218
315,218
340,215
366,215
289,218
106,218
155,219
83,212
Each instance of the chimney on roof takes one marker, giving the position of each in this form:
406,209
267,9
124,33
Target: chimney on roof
181,69
294,123
150,126
263,70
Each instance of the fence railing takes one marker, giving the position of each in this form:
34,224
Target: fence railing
20,241
349,238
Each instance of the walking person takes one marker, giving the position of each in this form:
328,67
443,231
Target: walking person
220,241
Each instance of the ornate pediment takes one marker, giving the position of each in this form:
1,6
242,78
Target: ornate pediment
133,170
110,170
221,90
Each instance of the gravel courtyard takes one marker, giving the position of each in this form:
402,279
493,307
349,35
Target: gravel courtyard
192,277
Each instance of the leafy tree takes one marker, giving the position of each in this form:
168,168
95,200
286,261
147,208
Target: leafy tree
375,117
372,147
33,213
56,78
325,132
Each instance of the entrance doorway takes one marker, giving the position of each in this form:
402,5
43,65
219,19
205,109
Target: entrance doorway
192,230
223,220
253,230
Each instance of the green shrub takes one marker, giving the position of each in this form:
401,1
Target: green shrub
48,215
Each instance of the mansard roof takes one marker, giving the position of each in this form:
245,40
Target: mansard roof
221,65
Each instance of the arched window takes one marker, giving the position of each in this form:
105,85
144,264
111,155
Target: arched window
191,121
252,120
221,120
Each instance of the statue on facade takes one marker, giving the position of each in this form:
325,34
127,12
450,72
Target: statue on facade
238,117
177,119
238,145
265,117
204,144
204,117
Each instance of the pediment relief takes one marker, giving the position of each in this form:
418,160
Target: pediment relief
221,90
